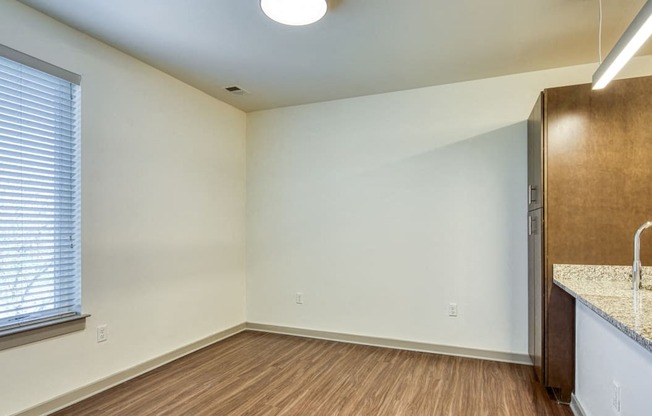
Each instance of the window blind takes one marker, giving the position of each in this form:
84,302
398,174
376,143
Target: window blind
40,267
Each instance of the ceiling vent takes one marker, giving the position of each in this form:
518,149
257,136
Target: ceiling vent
234,89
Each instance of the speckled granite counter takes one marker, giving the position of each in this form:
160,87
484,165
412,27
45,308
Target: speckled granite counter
607,290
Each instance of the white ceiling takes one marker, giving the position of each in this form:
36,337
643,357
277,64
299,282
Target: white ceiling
361,47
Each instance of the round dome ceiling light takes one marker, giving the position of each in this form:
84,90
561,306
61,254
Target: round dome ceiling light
294,12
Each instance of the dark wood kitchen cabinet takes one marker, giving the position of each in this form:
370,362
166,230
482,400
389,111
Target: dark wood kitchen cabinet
535,236
535,286
589,188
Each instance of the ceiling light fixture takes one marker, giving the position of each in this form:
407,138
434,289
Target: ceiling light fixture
634,37
294,12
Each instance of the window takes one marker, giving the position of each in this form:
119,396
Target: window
40,267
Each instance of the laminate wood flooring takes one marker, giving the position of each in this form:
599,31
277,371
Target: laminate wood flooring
262,374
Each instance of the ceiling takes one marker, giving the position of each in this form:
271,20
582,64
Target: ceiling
360,47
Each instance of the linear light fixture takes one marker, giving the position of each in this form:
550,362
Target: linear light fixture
634,37
294,12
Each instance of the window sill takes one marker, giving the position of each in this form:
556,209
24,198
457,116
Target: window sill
37,332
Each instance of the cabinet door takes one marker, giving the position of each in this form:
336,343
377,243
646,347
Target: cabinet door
599,175
535,156
535,290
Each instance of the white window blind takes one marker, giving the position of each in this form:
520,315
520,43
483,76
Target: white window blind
40,268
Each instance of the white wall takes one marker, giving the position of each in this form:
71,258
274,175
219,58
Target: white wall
382,209
163,215
604,355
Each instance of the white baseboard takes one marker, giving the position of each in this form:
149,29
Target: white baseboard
394,343
576,407
84,392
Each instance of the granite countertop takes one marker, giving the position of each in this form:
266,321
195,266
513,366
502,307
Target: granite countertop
607,290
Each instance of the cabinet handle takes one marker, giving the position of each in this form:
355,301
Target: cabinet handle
531,194
531,225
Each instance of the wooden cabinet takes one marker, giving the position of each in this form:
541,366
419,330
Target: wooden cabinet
590,159
535,236
536,288
535,156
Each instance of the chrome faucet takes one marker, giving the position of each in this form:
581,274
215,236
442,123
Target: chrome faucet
636,267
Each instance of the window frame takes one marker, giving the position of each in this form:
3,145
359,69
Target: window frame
38,330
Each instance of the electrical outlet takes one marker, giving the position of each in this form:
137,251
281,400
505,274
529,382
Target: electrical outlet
615,398
452,309
298,298
102,333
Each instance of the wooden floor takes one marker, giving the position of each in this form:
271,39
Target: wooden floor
266,374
